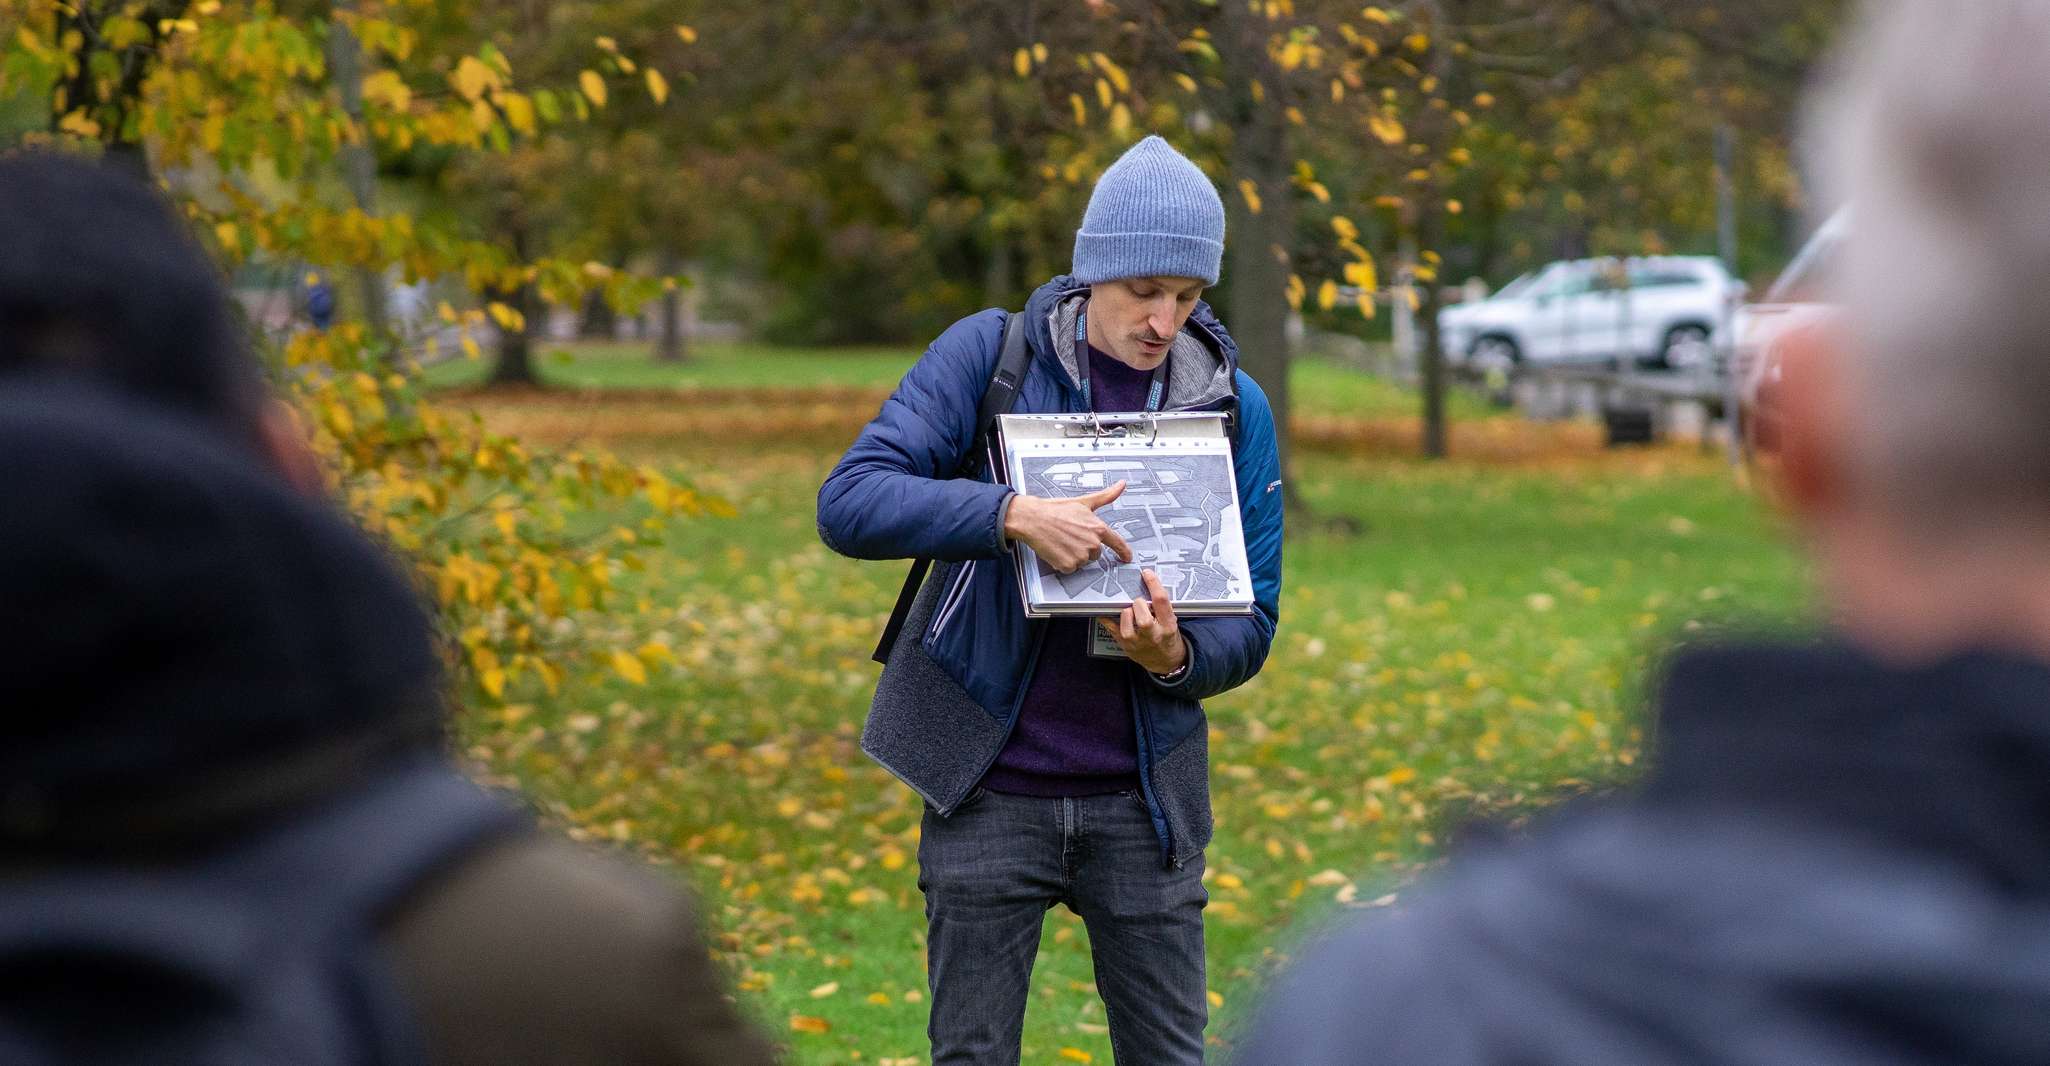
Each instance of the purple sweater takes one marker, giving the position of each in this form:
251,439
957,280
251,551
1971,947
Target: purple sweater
1075,734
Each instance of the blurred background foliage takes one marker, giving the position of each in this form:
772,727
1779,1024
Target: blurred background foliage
869,172
467,176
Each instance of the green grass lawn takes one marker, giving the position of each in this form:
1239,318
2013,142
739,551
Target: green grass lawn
627,365
1319,388
1470,642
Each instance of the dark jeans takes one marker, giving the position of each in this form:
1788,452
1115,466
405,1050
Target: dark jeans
992,871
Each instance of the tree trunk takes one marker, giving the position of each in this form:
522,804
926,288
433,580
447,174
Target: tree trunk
1431,362
1258,300
1488,236
669,345
515,365
358,162
599,320
1430,354
1257,242
1426,224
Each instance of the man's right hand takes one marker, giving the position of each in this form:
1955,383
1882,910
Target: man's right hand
1066,532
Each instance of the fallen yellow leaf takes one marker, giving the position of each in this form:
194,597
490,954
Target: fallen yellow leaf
629,667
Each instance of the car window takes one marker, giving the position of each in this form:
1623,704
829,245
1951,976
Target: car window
1547,284
1662,277
1577,285
1517,288
1584,278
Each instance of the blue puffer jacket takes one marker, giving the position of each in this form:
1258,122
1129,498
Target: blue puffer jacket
947,700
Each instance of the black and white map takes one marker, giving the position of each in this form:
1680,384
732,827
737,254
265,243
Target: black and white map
1178,512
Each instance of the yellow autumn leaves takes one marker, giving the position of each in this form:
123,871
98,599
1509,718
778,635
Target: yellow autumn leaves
1359,274
632,666
1368,97
502,536
485,78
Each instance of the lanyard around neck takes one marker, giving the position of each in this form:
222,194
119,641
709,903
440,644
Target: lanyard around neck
1155,392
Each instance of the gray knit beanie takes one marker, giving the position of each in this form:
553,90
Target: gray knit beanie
1153,214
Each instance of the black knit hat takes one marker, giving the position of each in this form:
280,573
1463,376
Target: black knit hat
102,280
181,632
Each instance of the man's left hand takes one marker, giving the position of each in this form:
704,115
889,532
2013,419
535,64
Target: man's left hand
1147,630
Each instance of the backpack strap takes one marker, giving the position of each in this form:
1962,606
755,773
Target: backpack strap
1012,358
365,857
350,865
388,835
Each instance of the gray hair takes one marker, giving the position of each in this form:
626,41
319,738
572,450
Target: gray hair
1935,128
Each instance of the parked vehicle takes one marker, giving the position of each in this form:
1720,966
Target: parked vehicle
1764,330
1660,311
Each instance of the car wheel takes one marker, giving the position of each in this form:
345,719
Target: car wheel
1490,354
1495,359
1686,348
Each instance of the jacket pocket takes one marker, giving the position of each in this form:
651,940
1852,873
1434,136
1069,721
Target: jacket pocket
950,602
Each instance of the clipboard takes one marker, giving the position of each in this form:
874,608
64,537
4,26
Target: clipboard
1179,511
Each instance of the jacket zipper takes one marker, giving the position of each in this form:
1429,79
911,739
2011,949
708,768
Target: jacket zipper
1228,406
1024,686
1145,770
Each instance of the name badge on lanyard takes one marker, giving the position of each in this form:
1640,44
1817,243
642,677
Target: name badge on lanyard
1102,645
1155,392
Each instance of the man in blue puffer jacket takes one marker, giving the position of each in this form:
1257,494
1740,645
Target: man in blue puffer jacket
1052,774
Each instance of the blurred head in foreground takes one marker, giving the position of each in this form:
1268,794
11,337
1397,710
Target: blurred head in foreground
1918,451
101,284
186,642
1838,853
100,280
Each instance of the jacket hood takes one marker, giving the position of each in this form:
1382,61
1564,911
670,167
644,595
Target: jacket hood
186,639
1201,363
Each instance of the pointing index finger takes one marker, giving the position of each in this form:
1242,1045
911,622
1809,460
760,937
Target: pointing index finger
1116,543
1102,497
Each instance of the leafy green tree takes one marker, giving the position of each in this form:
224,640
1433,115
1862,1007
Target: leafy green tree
235,106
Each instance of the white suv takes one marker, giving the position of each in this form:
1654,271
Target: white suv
1668,311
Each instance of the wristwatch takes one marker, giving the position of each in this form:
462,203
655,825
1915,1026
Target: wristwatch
1173,675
